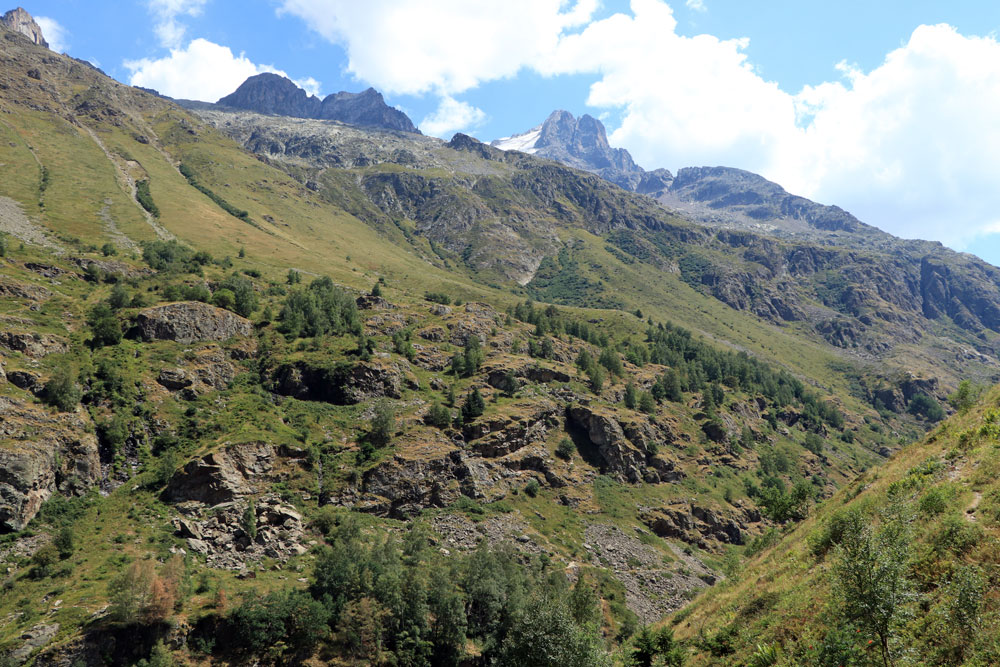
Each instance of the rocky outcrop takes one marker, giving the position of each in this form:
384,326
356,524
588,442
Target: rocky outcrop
32,344
22,22
222,476
189,322
14,289
43,453
618,456
402,486
695,524
274,94
344,383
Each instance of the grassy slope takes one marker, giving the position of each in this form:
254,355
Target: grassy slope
785,596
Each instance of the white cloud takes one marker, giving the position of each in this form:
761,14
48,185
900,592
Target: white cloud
55,34
696,5
201,71
440,46
451,116
169,30
310,85
912,145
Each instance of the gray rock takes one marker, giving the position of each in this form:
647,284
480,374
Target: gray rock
35,638
189,322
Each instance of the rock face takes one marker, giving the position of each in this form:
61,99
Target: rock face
619,457
222,476
21,21
32,344
274,94
342,384
189,322
581,143
44,453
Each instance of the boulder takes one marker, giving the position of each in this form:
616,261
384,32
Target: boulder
189,322
32,344
222,476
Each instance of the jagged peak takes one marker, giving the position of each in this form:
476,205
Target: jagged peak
19,20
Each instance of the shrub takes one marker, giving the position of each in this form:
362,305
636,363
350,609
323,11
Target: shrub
61,391
383,424
565,449
532,488
104,326
439,416
145,198
474,405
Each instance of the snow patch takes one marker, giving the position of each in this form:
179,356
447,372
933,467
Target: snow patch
519,142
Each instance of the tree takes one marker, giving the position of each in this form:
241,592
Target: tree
248,521
104,325
294,277
130,592
119,297
439,416
631,397
383,424
64,542
543,634
61,391
224,298
647,403
377,290
596,376
965,396
565,449
474,405
870,573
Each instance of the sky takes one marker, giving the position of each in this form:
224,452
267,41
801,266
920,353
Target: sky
888,109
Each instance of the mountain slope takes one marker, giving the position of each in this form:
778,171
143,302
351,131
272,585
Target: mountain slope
944,496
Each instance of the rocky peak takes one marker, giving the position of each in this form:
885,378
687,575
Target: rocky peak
581,143
21,21
276,95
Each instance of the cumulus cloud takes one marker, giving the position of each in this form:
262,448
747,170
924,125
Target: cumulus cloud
55,34
451,116
201,71
169,30
911,145
440,46
696,5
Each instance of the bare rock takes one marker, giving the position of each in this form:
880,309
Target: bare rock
189,322
43,453
224,475
31,344
619,456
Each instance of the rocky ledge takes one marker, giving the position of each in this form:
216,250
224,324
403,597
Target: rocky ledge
189,322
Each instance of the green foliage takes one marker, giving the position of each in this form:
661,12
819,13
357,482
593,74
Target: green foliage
109,249
383,424
924,406
244,296
965,396
104,326
595,375
474,406
612,361
565,449
248,521
438,297
192,179
655,648
470,360
814,443
145,198
321,309
61,391
224,298
402,345
439,416
159,656
532,488
3,244
631,397
647,403
171,256
291,621
870,573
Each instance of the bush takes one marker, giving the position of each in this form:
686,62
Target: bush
532,488
924,406
61,391
383,424
438,297
290,617
224,298
320,309
145,198
565,449
474,406
439,416
104,326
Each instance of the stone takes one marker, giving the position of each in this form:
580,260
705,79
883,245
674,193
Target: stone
35,638
222,476
189,322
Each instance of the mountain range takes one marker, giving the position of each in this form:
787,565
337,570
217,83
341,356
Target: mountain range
283,380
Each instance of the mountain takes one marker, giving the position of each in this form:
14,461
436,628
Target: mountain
583,144
281,389
20,21
274,94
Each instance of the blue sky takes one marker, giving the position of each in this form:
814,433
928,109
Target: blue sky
886,109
